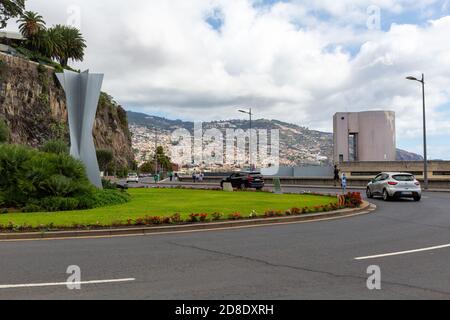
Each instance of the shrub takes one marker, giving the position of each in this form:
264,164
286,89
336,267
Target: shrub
353,199
44,179
203,217
193,217
216,216
107,184
4,131
104,158
235,216
272,213
296,211
253,215
56,147
32,208
176,218
52,204
121,172
109,197
154,220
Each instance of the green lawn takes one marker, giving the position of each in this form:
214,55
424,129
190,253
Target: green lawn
166,202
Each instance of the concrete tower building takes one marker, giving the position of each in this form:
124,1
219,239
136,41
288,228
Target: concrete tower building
364,136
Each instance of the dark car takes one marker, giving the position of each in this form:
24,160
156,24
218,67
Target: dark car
245,180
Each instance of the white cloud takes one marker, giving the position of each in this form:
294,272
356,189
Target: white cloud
299,61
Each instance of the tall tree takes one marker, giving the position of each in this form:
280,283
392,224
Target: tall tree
10,9
164,161
70,44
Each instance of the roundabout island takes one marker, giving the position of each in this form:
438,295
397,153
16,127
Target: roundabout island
180,206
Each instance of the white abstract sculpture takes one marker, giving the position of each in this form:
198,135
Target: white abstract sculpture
82,95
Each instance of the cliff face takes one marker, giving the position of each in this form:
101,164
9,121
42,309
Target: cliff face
33,104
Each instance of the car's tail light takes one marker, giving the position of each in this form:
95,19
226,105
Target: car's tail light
392,183
417,183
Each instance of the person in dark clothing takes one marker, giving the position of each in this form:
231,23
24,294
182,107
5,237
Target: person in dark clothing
337,179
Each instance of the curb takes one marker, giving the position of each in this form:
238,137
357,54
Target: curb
366,208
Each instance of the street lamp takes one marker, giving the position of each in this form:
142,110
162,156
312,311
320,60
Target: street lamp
422,81
249,112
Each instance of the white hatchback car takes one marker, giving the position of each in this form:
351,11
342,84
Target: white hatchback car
133,177
395,185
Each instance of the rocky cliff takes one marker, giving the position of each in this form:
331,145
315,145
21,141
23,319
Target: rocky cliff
33,104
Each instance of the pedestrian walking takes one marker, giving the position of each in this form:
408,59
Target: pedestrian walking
336,175
194,177
344,183
171,176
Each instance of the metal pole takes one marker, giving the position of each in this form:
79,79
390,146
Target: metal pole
250,144
156,151
425,153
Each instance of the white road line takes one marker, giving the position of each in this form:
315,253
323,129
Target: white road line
404,252
34,285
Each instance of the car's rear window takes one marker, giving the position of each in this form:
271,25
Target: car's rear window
404,177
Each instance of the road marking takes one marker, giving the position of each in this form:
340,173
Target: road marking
54,284
404,252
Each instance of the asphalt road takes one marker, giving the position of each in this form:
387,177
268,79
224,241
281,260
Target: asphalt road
298,261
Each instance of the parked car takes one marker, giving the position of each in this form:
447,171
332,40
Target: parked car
391,185
245,180
133,178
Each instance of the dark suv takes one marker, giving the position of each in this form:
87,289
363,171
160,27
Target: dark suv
245,180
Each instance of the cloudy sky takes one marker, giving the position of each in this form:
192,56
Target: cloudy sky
299,60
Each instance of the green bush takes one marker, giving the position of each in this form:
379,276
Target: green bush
59,204
110,197
32,208
122,172
4,131
30,179
56,147
108,185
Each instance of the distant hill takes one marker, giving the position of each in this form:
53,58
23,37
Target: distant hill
298,145
403,155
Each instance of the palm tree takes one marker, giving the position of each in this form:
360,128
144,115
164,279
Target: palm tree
69,44
31,24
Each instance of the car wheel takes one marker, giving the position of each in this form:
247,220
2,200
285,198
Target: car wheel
386,196
417,198
369,193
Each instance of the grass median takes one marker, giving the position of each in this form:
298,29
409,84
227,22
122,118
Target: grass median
166,202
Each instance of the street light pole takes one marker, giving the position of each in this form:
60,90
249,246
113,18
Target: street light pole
425,153
249,112
156,151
